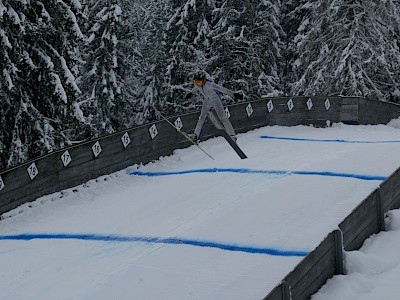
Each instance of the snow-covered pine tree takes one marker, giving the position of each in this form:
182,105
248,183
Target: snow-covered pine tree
390,10
38,87
347,47
188,46
236,42
9,49
246,46
104,103
292,16
148,20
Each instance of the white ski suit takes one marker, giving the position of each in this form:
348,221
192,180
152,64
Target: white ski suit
211,93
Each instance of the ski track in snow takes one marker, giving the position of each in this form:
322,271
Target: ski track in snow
186,227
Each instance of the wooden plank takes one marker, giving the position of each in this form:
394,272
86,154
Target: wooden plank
314,270
16,200
276,294
390,191
377,112
18,181
300,114
361,223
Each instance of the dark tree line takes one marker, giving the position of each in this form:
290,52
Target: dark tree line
72,70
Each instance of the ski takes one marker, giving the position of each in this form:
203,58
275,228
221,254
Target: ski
185,135
218,125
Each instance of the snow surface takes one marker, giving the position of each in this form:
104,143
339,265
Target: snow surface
188,227
371,273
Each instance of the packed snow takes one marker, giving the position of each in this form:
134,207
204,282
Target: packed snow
189,227
373,271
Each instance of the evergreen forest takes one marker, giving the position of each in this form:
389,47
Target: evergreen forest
73,70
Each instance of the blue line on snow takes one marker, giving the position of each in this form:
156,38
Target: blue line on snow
325,141
155,240
251,171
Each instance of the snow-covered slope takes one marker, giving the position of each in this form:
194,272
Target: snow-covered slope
188,227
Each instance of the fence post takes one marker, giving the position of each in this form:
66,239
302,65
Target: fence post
379,210
286,295
339,252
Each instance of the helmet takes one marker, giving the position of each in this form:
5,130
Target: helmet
199,77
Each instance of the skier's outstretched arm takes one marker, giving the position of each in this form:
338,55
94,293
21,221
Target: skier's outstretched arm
191,93
221,89
235,95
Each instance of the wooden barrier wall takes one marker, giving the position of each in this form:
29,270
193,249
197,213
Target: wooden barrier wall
327,259
313,271
75,165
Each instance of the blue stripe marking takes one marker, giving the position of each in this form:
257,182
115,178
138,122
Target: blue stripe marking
325,141
155,240
251,171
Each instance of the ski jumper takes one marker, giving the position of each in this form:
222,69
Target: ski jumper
211,93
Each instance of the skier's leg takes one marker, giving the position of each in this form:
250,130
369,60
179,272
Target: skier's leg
219,109
202,119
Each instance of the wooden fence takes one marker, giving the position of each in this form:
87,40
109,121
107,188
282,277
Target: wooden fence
75,165
327,259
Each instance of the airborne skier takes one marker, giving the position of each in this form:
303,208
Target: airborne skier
211,93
